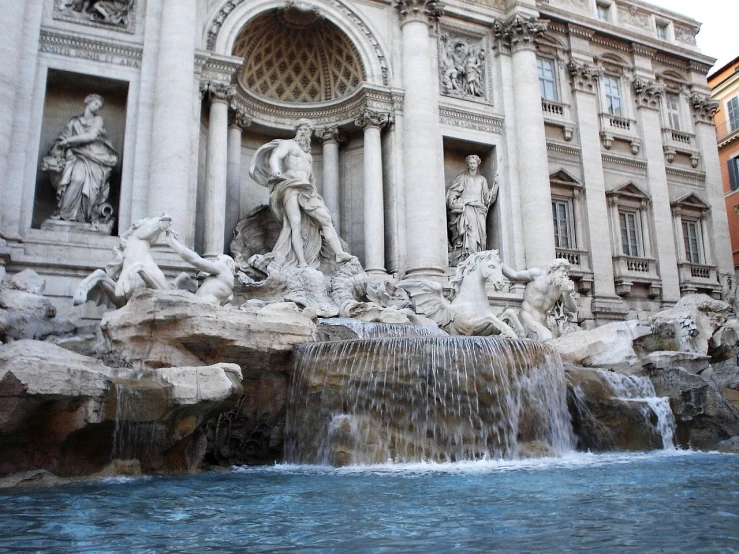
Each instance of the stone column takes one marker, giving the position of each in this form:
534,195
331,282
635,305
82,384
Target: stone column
172,118
374,214
424,183
238,120
216,168
705,136
584,90
330,137
518,34
647,96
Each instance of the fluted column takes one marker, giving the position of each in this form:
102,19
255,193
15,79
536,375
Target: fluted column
330,137
237,121
519,34
424,182
216,168
374,214
172,120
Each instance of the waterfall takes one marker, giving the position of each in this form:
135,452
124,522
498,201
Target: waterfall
372,330
632,388
136,432
410,399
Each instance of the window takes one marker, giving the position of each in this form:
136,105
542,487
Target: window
693,242
734,173
604,11
547,81
562,224
613,95
733,111
630,235
673,110
662,30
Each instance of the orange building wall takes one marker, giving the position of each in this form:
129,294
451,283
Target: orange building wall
725,85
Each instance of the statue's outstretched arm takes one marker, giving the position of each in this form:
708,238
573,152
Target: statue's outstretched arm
523,275
190,256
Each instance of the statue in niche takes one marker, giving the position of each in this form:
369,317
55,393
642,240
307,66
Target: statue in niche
468,201
543,290
217,288
462,68
79,165
286,168
112,12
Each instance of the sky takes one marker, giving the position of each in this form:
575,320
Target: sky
719,34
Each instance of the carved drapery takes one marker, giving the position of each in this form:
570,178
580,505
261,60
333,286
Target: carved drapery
462,71
108,14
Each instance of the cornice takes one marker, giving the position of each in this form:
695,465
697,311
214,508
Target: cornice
77,45
563,148
451,115
687,173
624,160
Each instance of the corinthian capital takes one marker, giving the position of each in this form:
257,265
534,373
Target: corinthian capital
328,134
372,118
238,118
584,76
703,107
217,92
519,32
426,11
647,93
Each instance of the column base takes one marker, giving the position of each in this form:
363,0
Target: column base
438,274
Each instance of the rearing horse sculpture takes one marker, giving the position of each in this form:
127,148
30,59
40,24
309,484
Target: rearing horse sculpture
133,266
469,312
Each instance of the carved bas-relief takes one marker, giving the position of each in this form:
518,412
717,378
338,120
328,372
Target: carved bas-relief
79,164
468,201
462,67
544,290
469,311
106,13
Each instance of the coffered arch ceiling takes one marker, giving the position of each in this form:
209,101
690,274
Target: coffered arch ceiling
297,57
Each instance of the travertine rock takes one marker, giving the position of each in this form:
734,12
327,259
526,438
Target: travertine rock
610,345
173,328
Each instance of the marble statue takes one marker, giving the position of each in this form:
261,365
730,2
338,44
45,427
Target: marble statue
286,168
132,268
79,164
461,68
543,290
469,311
468,201
217,288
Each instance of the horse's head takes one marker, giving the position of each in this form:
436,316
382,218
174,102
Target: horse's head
150,228
492,270
486,265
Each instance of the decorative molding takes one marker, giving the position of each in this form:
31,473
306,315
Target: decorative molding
667,59
612,44
623,160
631,15
580,31
470,120
425,11
685,34
699,67
75,45
217,69
371,118
238,118
643,50
647,94
519,31
562,148
687,174
121,16
584,76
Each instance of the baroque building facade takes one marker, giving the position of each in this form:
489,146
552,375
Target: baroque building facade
593,118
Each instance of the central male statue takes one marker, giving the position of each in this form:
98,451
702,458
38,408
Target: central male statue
286,168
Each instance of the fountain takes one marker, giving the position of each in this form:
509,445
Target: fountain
440,399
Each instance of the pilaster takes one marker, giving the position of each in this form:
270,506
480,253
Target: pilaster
331,137
238,120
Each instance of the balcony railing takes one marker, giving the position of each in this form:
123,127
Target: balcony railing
552,108
631,269
697,276
725,130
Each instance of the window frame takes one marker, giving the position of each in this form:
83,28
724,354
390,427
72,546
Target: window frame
569,223
540,60
608,82
603,12
624,213
732,113
673,114
733,164
696,256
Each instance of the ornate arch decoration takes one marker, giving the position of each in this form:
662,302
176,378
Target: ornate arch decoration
365,86
673,81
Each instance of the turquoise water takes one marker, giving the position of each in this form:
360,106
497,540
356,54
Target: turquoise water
660,502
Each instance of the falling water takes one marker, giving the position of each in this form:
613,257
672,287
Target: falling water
633,388
424,399
134,434
371,330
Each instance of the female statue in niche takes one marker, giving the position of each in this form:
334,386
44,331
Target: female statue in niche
468,200
79,163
